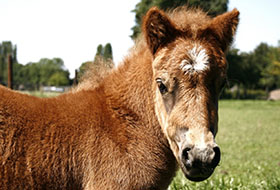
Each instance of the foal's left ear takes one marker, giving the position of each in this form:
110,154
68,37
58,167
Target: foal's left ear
223,27
158,29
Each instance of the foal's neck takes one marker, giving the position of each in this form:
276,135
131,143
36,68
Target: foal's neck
130,100
130,86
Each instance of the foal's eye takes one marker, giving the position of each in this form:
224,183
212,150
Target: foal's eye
162,88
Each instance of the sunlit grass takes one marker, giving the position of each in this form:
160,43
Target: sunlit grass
42,94
249,138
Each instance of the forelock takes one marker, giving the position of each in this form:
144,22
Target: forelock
197,61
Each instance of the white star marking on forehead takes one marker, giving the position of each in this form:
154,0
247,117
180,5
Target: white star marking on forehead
197,62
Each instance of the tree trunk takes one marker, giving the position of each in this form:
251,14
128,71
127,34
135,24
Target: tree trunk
10,71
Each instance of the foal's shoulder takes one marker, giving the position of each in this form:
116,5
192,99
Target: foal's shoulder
8,96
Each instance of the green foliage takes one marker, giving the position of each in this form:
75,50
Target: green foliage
271,72
6,48
99,51
242,70
259,69
243,93
42,94
249,140
59,79
32,75
236,67
213,8
83,68
108,52
45,72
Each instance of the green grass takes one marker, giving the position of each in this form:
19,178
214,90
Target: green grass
249,138
42,94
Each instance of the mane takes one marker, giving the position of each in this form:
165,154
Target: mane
189,18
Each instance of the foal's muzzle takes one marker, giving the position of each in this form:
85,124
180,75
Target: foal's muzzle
198,164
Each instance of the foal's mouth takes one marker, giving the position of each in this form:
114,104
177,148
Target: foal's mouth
197,174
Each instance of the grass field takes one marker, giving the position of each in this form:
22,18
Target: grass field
42,94
249,138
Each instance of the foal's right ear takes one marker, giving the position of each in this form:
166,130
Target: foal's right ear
223,27
158,29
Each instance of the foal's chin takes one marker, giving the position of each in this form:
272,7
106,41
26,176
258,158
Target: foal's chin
197,174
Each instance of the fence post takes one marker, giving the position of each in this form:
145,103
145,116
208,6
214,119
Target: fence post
76,77
10,71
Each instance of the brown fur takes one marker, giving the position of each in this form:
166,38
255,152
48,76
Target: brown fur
106,136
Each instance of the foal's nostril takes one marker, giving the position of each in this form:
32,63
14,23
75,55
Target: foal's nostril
185,153
186,156
217,156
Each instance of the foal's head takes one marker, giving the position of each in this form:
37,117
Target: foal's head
189,71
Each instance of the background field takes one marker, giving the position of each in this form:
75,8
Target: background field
249,138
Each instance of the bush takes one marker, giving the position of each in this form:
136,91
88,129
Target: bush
244,94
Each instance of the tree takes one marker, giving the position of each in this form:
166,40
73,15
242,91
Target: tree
259,59
45,72
6,48
34,74
235,73
213,7
99,51
106,52
259,69
270,73
83,68
31,73
59,79
48,67
18,75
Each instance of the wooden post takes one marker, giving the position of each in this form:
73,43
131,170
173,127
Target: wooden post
76,77
10,71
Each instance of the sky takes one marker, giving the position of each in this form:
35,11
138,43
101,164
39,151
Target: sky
72,29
